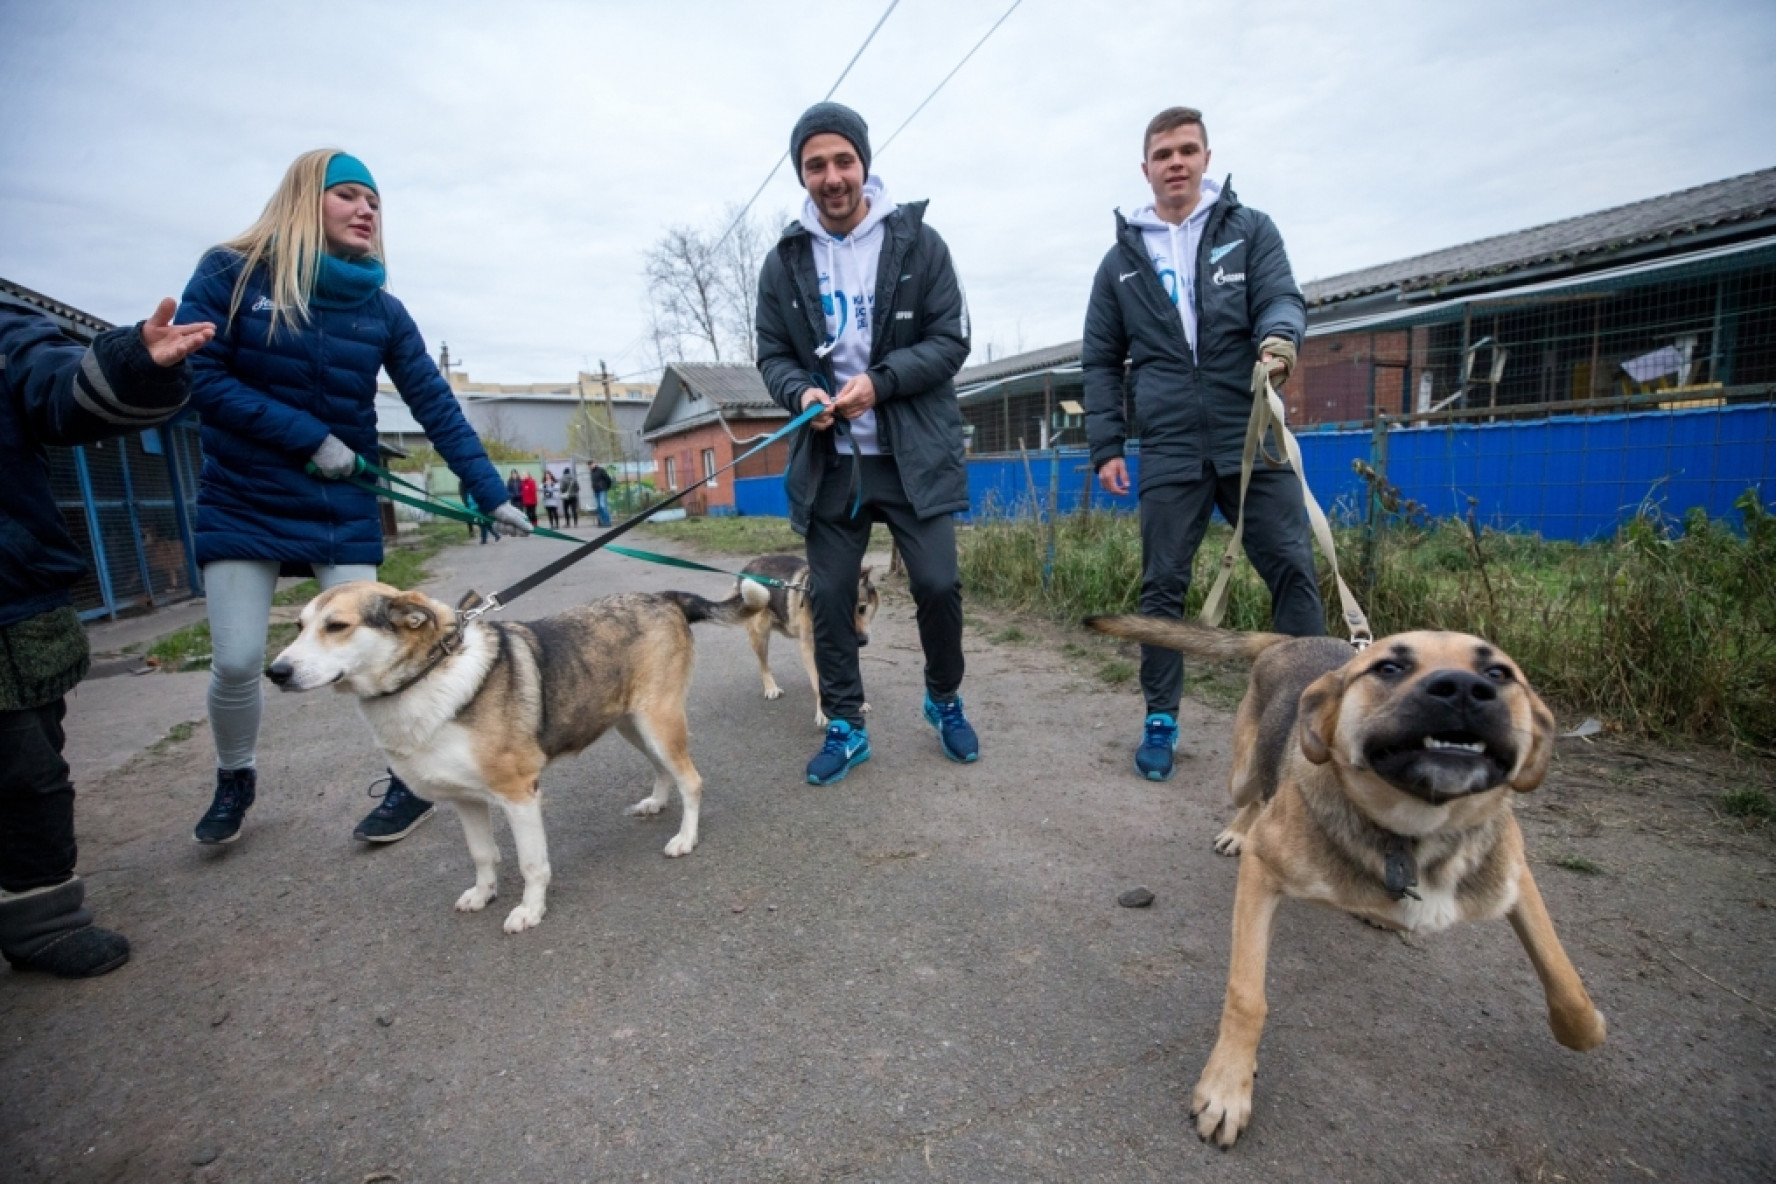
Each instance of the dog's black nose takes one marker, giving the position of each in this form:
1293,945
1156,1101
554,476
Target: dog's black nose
1459,688
279,672
862,639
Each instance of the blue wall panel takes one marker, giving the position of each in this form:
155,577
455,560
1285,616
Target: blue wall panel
1573,477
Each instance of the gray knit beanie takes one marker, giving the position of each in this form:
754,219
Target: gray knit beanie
830,117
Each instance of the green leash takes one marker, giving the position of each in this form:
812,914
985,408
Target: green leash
445,508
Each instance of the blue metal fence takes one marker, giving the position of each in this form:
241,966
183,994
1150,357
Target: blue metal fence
1575,477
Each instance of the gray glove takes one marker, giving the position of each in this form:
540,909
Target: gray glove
511,521
334,459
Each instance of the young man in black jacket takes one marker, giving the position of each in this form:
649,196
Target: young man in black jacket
860,311
1195,291
56,392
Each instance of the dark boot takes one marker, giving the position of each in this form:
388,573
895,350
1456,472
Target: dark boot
235,791
400,812
51,930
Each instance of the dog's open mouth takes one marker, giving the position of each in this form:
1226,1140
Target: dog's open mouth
1441,766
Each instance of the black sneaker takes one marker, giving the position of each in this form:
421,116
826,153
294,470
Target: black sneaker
400,812
235,790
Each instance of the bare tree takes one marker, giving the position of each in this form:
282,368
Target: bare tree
703,288
685,288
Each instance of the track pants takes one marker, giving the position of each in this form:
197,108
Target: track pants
836,545
1278,541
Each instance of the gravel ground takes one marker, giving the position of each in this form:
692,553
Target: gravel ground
921,973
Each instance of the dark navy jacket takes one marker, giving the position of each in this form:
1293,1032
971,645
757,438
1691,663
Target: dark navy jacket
267,404
1190,409
57,392
921,340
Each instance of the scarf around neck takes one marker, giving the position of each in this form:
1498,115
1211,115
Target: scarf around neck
346,283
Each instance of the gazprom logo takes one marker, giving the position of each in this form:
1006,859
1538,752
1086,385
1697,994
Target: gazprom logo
1225,277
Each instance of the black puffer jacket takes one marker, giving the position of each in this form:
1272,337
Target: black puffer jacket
921,340
1190,409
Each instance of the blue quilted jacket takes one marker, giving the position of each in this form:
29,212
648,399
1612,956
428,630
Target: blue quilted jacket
267,403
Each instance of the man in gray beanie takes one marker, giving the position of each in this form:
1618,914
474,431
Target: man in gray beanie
860,312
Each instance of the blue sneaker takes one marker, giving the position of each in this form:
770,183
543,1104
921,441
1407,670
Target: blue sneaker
846,747
954,734
1153,760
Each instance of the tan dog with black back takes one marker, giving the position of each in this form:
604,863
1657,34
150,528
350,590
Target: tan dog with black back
791,615
471,711
1379,783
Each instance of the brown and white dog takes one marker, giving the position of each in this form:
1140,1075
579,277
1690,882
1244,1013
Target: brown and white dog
1379,783
472,711
792,616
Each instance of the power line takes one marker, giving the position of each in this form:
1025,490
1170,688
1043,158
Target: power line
892,5
946,78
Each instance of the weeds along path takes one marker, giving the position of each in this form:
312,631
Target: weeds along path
919,973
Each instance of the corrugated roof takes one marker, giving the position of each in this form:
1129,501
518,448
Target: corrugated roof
734,391
83,324
1589,239
1030,362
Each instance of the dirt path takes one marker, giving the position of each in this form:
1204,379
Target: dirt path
918,974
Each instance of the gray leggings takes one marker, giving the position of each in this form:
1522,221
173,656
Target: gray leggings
238,593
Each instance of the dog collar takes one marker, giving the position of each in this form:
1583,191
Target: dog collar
1400,875
447,645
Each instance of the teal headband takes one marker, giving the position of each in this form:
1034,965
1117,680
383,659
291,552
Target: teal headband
345,169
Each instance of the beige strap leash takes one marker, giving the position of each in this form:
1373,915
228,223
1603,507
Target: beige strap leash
1267,412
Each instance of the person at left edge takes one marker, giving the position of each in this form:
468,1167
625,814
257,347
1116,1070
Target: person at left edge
56,392
290,381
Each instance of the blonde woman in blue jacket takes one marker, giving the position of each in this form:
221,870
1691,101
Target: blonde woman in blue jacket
285,390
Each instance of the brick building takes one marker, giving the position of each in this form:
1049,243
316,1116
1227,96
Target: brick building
702,417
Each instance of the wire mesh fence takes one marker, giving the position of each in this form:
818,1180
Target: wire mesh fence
127,504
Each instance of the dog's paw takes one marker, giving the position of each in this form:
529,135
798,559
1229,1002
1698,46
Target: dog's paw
1581,1033
646,808
820,720
866,708
1221,1105
523,917
681,844
475,899
773,692
1229,842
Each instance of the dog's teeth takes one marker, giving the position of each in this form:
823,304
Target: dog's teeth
1477,747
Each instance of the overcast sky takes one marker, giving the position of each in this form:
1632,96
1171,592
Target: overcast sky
528,153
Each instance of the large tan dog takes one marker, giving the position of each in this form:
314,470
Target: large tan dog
472,711
791,615
1379,783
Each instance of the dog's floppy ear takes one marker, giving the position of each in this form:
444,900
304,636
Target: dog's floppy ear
1316,717
412,610
1534,767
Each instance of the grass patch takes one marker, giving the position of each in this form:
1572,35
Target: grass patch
1010,635
177,734
1669,629
1748,804
732,536
301,593
1579,864
1117,672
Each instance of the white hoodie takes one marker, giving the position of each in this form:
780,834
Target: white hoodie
1173,252
847,270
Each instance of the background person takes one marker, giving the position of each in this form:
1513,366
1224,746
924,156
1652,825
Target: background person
289,381
527,496
899,431
58,393
601,487
570,496
552,499
1195,290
